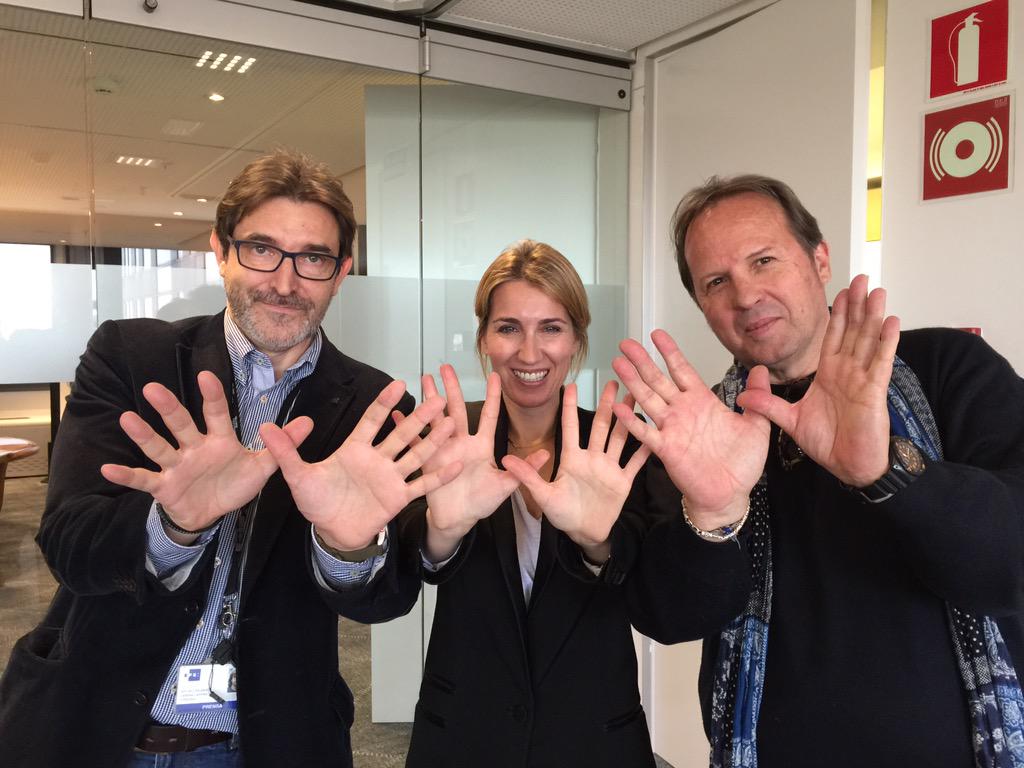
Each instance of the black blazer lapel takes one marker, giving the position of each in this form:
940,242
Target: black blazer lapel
502,522
558,599
206,351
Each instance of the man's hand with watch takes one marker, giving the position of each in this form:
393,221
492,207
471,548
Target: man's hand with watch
906,464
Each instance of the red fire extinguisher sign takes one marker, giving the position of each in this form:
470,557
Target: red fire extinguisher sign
969,48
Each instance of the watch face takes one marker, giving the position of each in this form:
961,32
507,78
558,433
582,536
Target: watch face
908,455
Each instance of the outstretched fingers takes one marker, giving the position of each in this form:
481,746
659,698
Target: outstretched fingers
570,419
657,382
174,415
646,433
431,481
420,451
679,368
880,367
653,404
603,417
216,412
456,401
866,345
617,441
377,412
636,461
488,423
156,449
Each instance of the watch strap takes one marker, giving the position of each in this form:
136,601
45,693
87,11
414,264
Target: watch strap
374,549
896,478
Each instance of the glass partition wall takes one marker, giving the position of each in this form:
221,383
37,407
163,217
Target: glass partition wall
117,142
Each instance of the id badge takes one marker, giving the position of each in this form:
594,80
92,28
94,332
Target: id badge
206,686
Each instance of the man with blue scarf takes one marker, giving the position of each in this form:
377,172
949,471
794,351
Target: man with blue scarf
875,479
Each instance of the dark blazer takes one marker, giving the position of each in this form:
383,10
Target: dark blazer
79,687
553,684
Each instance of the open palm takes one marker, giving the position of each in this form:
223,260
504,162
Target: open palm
206,475
586,496
353,493
842,422
713,455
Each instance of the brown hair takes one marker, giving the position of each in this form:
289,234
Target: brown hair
290,174
802,225
541,266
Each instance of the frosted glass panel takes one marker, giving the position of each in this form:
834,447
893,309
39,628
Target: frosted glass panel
164,292
498,167
376,321
46,317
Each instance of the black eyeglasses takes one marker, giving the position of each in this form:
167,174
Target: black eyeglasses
261,257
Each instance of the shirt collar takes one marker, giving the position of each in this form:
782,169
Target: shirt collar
245,357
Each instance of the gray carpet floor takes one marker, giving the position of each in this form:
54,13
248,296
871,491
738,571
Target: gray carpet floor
26,587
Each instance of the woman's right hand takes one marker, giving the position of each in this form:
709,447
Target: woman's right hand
481,487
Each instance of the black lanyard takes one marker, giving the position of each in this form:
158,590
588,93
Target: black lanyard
231,603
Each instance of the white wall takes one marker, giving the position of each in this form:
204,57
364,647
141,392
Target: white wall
956,261
783,92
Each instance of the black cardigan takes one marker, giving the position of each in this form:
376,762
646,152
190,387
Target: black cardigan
860,668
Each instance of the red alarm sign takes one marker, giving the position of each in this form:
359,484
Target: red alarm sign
967,149
969,48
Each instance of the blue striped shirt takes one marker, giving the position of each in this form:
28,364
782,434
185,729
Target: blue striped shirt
259,401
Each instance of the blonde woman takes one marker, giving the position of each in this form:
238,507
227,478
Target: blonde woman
531,659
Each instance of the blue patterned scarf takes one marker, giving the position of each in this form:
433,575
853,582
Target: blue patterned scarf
990,683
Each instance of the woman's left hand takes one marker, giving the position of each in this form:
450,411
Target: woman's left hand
586,497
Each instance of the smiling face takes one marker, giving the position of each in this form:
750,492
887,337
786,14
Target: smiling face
279,311
760,292
530,342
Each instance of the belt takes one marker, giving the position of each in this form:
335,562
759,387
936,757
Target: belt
175,738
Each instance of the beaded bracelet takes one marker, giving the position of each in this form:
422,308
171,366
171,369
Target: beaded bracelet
725,533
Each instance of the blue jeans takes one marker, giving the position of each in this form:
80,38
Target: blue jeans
223,755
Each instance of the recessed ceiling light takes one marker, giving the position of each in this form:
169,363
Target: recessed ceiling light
136,160
215,62
157,224
200,199
215,97
179,213
63,241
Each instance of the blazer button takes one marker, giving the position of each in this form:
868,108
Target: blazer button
192,606
140,699
518,713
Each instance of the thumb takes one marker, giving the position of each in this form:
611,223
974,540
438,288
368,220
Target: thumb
299,429
527,475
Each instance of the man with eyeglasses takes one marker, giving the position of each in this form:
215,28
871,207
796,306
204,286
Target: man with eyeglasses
222,488
874,479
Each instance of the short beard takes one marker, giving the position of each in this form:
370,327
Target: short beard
261,334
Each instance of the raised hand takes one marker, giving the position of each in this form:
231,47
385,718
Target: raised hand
353,493
206,475
585,498
842,422
714,455
481,487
